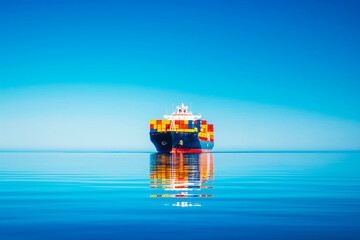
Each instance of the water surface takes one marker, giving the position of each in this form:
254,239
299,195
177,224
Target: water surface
189,196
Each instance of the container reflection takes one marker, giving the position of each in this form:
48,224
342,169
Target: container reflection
182,176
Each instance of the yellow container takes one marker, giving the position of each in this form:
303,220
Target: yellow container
167,121
155,126
177,126
196,129
186,121
153,122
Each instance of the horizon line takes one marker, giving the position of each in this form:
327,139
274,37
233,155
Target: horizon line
148,151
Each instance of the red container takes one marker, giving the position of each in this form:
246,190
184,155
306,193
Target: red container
167,126
181,121
195,121
151,126
158,121
204,122
177,121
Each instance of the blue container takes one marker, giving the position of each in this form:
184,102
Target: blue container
153,130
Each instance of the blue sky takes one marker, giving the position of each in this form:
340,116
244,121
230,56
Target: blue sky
271,75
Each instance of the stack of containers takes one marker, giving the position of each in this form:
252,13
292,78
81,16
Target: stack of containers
153,126
191,124
201,126
206,131
184,126
159,125
198,125
211,132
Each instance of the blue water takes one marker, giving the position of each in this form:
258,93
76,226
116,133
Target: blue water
190,196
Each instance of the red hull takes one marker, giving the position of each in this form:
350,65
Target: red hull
184,150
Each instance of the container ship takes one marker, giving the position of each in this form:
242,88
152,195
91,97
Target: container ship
182,132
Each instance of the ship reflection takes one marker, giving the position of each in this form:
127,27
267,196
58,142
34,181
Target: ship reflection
182,176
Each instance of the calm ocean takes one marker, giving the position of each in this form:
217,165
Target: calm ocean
189,196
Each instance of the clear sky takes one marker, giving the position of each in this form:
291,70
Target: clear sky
89,75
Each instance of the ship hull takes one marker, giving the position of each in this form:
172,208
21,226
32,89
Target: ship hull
179,142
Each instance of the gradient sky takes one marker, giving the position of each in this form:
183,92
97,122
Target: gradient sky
89,75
